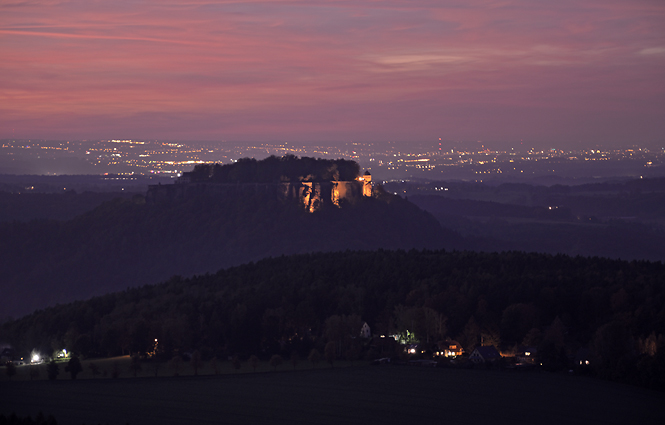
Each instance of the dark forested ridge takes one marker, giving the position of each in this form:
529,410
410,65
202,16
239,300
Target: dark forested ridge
127,242
560,304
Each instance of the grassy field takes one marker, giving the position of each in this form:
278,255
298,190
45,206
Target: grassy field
351,395
122,365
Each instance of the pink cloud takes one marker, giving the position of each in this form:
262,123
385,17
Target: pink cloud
265,70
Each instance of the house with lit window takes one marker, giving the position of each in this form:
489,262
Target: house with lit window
449,348
582,357
526,354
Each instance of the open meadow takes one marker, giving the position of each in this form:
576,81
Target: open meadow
324,395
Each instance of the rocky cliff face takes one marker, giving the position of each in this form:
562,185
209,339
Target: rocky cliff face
312,195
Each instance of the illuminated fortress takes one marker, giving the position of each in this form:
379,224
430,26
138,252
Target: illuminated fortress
313,195
311,182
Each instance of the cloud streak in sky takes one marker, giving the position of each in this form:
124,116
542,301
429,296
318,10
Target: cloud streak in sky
334,70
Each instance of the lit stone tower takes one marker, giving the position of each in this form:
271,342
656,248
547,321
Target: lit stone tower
367,184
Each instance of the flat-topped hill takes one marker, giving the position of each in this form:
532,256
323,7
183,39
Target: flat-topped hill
288,168
313,183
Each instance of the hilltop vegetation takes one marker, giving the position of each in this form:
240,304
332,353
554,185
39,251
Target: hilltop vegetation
276,306
273,169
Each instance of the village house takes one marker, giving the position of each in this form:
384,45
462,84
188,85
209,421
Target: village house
582,357
449,348
526,354
485,354
365,331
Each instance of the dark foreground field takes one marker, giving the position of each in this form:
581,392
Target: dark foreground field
363,395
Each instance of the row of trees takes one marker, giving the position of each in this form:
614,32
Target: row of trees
176,365
614,308
73,367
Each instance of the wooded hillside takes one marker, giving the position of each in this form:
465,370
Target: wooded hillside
559,304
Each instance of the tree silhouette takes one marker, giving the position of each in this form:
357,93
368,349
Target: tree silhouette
40,419
352,352
82,345
52,370
516,321
612,350
74,366
314,357
10,369
235,361
156,366
215,365
176,364
197,363
34,372
330,352
295,359
490,336
551,351
254,362
532,338
276,360
470,335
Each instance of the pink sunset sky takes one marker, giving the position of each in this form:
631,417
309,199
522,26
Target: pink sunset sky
551,72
